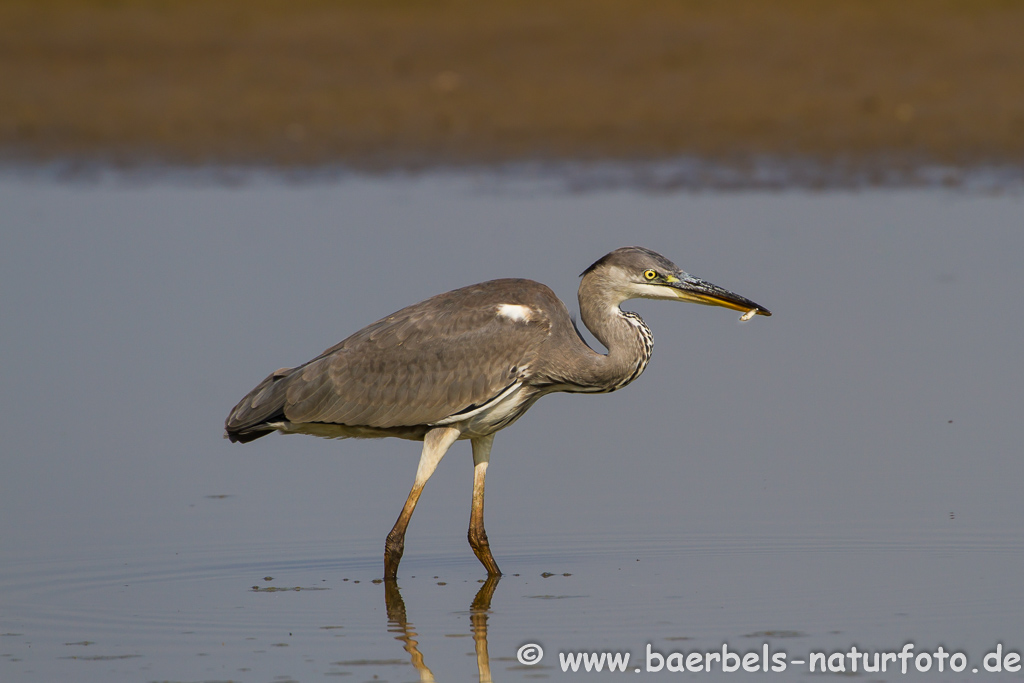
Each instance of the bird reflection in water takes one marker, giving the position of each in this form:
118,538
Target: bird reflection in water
478,612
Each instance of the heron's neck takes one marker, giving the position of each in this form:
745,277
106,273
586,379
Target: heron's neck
624,334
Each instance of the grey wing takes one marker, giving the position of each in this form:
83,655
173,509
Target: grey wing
416,367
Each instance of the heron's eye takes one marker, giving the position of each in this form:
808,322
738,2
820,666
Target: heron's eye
650,274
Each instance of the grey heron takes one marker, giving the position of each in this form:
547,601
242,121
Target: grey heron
467,363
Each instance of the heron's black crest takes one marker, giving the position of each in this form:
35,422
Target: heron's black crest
639,258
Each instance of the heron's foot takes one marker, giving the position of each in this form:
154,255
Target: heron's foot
393,549
482,550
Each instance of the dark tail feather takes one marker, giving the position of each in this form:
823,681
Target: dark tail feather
246,437
248,420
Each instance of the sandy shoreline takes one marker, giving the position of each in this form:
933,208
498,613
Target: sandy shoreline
859,85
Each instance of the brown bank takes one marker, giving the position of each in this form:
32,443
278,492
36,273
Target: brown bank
383,84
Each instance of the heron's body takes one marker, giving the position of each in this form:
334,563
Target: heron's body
467,363
511,326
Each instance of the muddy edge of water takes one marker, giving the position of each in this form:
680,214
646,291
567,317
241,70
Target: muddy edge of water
379,85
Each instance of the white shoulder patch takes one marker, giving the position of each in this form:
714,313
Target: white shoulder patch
516,312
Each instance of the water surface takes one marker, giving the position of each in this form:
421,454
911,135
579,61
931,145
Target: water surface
845,473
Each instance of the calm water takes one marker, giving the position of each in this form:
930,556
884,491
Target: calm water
847,473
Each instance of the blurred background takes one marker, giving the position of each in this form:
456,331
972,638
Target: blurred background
861,85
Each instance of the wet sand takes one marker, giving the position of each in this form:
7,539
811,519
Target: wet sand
378,85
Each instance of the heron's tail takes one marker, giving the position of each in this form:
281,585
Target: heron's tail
251,418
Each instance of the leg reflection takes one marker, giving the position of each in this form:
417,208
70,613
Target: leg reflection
479,610
398,623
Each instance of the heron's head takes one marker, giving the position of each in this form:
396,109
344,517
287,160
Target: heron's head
639,273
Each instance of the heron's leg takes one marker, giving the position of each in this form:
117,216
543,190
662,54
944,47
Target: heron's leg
435,444
477,535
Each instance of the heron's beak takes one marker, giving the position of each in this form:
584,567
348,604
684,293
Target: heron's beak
697,291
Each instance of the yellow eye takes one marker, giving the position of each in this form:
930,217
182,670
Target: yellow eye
650,274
